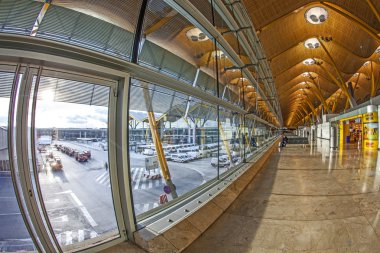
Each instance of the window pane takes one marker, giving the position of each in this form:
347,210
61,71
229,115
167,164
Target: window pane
71,145
185,127
13,233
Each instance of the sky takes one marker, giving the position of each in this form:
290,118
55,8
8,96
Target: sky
62,115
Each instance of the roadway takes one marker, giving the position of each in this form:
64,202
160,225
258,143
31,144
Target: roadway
78,198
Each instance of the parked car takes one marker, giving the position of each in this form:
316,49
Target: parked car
223,161
193,155
148,151
81,157
87,153
180,158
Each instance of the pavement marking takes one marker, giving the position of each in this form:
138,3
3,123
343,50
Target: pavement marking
133,171
80,235
150,184
93,234
84,210
139,182
146,206
81,207
101,176
63,218
75,236
51,201
69,238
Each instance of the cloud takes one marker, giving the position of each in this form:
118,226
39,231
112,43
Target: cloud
77,119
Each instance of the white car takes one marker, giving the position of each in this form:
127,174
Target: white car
180,158
223,161
148,151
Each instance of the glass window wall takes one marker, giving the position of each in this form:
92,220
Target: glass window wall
71,146
173,140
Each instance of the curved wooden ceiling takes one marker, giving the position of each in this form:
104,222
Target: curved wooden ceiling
354,28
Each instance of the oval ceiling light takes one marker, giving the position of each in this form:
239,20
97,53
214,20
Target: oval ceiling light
377,50
218,53
356,74
312,43
366,63
316,15
195,34
308,62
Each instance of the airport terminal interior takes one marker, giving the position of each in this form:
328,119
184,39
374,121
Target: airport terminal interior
196,126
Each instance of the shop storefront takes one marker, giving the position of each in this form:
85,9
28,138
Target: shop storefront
359,129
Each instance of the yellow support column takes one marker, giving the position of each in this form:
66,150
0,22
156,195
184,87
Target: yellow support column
157,143
225,142
319,94
342,85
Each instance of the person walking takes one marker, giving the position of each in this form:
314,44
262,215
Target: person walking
106,165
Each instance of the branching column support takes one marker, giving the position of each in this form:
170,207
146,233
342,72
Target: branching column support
313,110
157,143
224,140
342,85
336,102
319,94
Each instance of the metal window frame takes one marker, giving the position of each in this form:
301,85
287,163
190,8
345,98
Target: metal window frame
38,220
11,144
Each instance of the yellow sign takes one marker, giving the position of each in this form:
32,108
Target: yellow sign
370,117
370,134
370,144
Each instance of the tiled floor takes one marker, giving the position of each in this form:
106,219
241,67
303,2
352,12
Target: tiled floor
306,199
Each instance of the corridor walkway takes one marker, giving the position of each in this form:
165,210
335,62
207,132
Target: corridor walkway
304,200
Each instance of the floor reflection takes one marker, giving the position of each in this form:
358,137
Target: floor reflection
362,166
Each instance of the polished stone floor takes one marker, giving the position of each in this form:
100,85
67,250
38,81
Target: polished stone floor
306,199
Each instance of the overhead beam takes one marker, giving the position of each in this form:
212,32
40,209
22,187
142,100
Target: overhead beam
374,10
359,22
160,23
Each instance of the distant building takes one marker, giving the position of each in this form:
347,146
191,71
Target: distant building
72,134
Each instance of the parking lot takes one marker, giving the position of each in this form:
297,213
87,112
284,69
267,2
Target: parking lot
78,195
